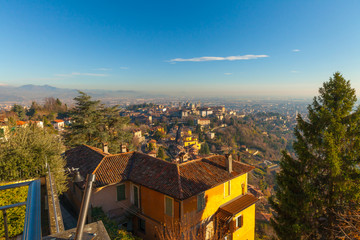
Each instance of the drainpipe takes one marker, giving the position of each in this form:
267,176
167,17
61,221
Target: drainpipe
84,207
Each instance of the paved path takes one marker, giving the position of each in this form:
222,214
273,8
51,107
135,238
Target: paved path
69,220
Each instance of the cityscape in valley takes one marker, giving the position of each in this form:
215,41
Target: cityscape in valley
180,121
253,132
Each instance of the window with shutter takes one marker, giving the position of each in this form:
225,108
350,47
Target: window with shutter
136,196
201,201
168,206
120,192
142,225
239,221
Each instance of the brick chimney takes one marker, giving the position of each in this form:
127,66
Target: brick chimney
123,148
228,163
181,157
105,148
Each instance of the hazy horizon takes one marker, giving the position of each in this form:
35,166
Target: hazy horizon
253,48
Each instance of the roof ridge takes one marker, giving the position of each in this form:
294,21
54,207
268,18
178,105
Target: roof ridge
97,150
117,154
155,158
106,157
98,166
191,161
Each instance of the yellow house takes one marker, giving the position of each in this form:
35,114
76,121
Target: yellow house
200,199
189,140
152,143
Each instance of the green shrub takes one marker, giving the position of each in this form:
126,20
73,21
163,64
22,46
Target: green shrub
111,226
15,216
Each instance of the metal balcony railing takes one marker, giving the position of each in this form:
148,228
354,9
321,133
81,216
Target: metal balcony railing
32,224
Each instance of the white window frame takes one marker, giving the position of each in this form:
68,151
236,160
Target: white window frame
172,209
237,221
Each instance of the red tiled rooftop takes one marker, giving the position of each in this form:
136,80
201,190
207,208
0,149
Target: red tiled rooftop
19,123
180,181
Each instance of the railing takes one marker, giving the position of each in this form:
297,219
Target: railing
52,192
32,225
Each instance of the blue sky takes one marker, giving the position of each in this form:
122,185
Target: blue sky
255,47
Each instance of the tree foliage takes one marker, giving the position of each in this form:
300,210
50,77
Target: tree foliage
20,111
205,149
24,154
111,226
15,215
93,124
161,153
323,179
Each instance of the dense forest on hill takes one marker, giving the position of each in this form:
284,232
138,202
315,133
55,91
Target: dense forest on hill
269,137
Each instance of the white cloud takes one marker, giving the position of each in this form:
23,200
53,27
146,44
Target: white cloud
294,71
103,69
81,74
124,68
227,73
296,50
229,58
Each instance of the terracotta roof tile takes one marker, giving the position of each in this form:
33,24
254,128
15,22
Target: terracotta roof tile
85,158
238,204
180,181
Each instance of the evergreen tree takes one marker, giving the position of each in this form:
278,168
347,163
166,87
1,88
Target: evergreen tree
323,180
94,124
161,153
32,110
204,149
20,111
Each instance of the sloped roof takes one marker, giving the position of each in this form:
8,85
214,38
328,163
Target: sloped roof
180,181
238,204
84,157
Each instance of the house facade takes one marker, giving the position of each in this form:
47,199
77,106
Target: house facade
152,197
58,124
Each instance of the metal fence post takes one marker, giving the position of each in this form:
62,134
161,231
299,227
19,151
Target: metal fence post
5,224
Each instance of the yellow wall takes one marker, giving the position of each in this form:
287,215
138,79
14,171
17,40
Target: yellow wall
189,143
153,210
153,204
215,197
247,231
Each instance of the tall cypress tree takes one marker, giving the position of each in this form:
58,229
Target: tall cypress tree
323,180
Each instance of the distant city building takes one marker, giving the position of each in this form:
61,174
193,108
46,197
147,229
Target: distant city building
58,124
203,121
211,135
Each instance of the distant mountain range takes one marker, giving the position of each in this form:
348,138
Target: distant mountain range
27,93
